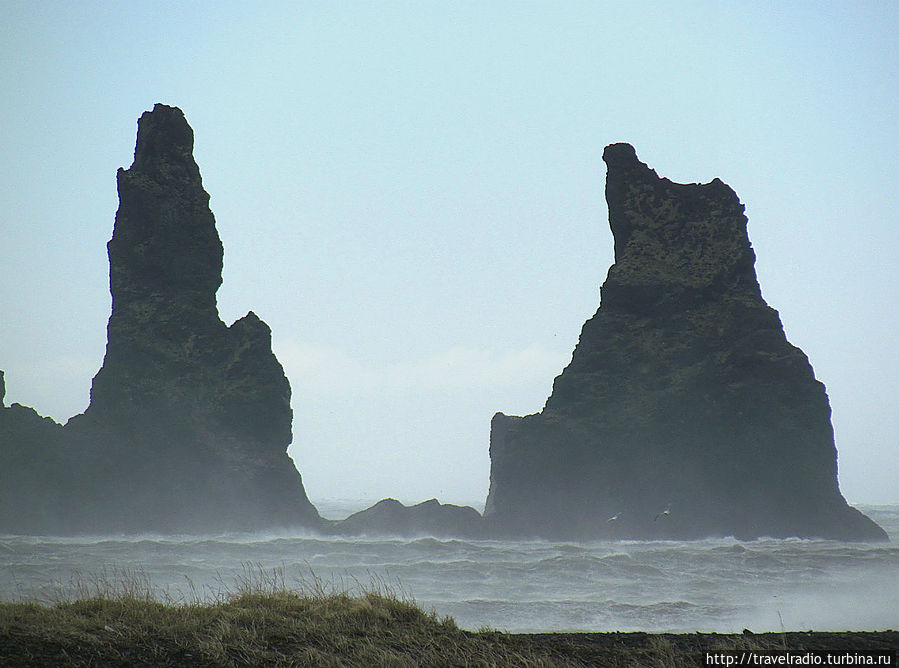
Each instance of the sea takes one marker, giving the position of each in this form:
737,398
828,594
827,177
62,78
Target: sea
715,585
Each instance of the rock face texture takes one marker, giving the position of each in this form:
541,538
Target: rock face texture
189,419
684,412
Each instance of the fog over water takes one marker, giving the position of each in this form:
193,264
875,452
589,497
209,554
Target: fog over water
719,585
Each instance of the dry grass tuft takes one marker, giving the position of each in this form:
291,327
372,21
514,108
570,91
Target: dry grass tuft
117,618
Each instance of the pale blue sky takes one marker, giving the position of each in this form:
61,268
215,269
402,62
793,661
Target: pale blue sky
411,195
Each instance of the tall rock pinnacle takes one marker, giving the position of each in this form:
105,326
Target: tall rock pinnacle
684,412
189,419
165,266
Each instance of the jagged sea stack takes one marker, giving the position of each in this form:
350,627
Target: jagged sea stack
189,420
684,412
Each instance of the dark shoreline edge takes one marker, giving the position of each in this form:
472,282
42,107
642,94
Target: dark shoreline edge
593,647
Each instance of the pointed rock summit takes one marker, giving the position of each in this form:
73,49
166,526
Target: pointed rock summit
189,420
684,412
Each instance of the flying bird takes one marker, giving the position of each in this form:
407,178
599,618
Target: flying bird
664,513
614,518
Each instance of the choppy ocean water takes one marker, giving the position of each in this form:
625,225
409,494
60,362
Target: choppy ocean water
720,585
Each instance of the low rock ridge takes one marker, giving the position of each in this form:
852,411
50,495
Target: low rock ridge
684,412
389,517
30,477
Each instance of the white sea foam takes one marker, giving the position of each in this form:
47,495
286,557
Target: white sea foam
711,585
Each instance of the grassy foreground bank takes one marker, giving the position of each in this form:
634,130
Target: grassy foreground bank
119,619
286,629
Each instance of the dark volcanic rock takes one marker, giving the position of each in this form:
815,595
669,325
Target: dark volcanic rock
29,475
683,394
389,517
189,419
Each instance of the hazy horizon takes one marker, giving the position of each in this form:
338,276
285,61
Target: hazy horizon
412,197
